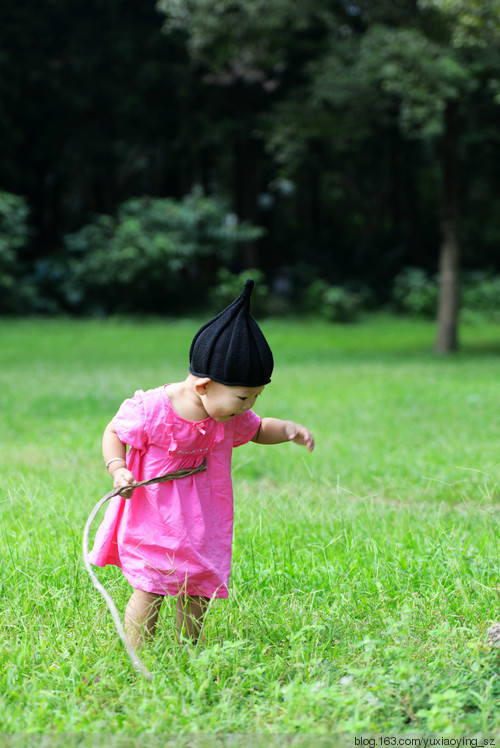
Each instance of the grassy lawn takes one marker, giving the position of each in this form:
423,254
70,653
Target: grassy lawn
364,575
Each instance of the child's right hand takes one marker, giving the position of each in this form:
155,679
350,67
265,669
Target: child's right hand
123,477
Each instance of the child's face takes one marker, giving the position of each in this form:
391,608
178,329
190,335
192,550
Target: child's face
223,402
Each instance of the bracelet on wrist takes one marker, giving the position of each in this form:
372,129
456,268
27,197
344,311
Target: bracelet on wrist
115,459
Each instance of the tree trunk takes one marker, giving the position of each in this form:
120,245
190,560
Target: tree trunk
245,190
448,305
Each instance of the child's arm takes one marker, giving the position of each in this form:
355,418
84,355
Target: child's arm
276,431
112,449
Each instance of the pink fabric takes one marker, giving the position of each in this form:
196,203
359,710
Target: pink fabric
173,537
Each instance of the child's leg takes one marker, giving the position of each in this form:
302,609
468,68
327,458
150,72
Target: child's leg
141,616
191,610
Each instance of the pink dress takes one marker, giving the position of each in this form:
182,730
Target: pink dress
174,537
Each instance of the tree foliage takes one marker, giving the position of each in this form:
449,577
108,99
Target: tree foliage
155,254
340,126
473,22
14,234
375,69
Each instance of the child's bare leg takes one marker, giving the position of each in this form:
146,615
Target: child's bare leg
141,616
190,613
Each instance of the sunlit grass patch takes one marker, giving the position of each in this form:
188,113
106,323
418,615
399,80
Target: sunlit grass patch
364,575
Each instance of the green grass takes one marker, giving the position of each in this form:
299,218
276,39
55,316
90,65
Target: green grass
364,575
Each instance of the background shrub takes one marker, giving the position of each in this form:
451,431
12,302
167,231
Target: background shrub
481,296
156,255
415,293
229,285
14,234
334,303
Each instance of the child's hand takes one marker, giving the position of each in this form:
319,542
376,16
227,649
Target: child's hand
123,477
300,435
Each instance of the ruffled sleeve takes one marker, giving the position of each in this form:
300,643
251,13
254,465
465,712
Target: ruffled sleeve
245,427
130,422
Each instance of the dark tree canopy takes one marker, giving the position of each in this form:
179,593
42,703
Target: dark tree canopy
327,123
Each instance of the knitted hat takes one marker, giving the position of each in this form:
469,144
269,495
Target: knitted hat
231,348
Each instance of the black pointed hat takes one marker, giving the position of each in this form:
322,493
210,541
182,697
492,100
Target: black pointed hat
231,348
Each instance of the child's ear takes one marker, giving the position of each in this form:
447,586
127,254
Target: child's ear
201,385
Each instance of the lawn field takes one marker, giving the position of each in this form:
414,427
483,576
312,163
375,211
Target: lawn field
365,575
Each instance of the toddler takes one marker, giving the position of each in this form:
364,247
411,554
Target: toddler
175,538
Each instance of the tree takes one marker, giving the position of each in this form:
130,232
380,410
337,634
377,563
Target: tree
414,77
249,53
92,103
421,81
472,27
378,67
334,112
426,74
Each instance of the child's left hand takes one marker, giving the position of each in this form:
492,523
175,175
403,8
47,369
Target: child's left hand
300,435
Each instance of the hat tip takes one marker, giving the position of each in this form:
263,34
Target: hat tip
248,288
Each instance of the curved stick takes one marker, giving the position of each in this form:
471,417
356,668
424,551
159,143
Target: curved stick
134,657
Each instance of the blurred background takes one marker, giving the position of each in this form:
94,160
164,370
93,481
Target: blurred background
151,152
